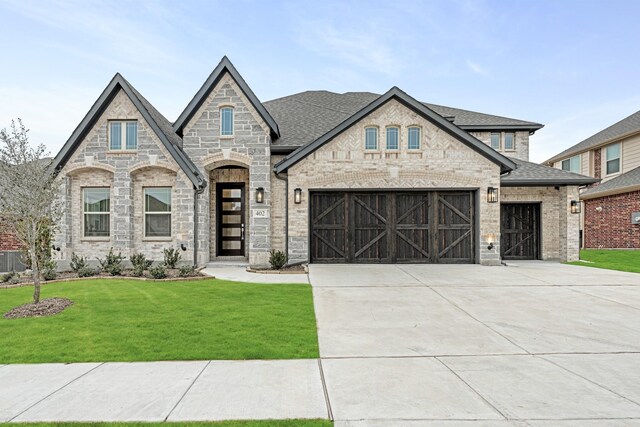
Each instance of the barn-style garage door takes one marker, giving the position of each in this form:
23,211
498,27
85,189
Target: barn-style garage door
389,227
520,231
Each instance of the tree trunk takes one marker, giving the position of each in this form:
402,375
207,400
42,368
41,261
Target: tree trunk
35,272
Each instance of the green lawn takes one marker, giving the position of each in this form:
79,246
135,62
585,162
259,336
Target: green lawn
266,423
610,259
130,320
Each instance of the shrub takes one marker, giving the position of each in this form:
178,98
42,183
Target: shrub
87,272
8,276
138,271
112,264
171,257
140,262
277,259
158,272
187,271
49,270
77,262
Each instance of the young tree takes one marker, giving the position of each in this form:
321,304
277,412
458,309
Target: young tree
29,201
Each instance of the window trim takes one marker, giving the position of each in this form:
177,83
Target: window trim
386,134
607,160
499,134
377,147
577,156
84,213
145,213
233,120
123,136
419,129
505,141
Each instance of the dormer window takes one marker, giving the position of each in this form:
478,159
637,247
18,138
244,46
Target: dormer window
226,121
123,135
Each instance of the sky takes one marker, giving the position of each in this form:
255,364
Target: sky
569,64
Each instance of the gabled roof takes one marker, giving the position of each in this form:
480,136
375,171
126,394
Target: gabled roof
160,125
627,126
224,66
628,181
528,174
395,93
306,116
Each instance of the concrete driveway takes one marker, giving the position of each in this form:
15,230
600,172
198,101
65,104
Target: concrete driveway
535,343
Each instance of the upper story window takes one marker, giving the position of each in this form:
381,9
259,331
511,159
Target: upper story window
509,141
371,138
572,164
96,212
413,142
157,212
123,135
226,121
495,141
393,138
612,153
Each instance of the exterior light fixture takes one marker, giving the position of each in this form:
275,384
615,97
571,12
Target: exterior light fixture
183,246
490,247
55,248
297,196
492,195
260,195
575,207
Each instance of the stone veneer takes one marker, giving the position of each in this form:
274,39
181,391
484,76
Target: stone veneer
521,143
441,162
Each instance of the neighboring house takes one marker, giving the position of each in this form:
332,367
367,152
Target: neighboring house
611,215
10,250
325,177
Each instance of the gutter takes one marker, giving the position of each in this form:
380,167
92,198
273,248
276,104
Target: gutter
286,212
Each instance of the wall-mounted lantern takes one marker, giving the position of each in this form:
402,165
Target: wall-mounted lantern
575,207
492,195
260,195
55,248
183,246
297,196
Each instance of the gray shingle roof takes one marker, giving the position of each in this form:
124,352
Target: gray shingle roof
533,174
626,181
306,116
625,126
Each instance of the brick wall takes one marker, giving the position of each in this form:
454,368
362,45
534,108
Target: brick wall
8,240
608,221
521,144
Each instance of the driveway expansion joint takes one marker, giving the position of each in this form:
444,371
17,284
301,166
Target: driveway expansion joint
187,390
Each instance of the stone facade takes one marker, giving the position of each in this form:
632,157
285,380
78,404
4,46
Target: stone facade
608,222
521,149
278,207
441,162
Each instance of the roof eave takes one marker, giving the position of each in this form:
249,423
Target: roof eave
546,182
612,192
531,128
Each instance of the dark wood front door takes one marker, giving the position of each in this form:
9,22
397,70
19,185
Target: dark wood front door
520,231
230,212
389,227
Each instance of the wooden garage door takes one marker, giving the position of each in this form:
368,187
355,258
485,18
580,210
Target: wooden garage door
520,231
389,227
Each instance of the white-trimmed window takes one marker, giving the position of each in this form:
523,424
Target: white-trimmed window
509,141
393,138
371,138
226,121
123,135
413,141
495,141
612,153
572,165
96,212
157,212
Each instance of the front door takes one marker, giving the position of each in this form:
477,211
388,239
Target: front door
230,230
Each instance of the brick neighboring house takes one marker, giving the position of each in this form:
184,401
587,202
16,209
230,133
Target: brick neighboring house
10,250
611,214
355,177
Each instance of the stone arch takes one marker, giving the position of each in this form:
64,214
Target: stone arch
138,167
226,158
72,170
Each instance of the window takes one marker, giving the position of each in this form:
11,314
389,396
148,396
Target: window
226,121
613,158
495,141
123,135
414,138
509,141
96,212
157,212
572,164
371,138
392,138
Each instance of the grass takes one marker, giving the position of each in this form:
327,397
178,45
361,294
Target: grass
130,320
265,423
622,260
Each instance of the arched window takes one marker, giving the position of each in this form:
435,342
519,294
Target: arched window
226,121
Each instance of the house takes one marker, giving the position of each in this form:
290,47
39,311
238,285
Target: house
611,215
325,177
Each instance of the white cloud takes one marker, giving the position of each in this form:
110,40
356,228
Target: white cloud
477,68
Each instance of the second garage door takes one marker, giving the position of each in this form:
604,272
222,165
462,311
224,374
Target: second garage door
389,227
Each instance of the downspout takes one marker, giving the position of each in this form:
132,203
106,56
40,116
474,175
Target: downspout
286,213
196,193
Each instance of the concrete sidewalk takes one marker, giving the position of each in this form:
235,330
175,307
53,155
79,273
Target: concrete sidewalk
162,391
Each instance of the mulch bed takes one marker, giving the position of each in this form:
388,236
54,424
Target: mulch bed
46,307
287,269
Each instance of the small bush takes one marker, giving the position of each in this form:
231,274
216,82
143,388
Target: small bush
140,262
158,272
112,264
187,271
138,271
77,262
171,257
14,280
8,276
87,272
277,259
49,270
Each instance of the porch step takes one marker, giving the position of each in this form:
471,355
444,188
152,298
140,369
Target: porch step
228,261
